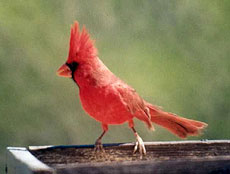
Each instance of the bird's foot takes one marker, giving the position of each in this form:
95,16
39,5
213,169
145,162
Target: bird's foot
98,146
139,145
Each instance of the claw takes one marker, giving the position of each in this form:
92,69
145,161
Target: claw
139,145
98,147
135,147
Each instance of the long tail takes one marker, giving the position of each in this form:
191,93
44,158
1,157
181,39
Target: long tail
179,126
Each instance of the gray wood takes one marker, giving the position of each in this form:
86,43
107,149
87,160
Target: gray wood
21,161
204,166
189,157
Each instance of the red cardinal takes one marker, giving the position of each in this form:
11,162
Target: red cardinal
109,100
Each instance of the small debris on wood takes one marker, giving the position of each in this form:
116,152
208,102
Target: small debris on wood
159,151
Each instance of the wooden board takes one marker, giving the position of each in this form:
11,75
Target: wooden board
162,157
21,161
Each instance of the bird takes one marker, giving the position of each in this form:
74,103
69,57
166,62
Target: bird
111,101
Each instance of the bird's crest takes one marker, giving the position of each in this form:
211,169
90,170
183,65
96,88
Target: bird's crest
81,47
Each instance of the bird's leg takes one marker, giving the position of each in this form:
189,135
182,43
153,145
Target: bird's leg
139,142
98,144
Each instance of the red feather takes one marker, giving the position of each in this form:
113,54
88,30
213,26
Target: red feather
81,46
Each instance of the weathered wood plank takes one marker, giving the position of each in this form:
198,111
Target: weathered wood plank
156,151
162,157
204,166
21,161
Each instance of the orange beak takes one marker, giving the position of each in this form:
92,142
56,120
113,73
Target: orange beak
64,71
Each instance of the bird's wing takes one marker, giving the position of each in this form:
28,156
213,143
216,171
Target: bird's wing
130,97
134,103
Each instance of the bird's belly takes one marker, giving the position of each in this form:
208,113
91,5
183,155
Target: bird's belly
104,106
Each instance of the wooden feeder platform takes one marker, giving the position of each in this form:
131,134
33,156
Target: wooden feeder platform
190,157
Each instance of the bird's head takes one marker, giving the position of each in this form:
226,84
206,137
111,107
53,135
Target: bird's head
81,49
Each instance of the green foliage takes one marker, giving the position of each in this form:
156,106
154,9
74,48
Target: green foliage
175,53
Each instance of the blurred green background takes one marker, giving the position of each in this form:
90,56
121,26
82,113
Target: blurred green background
174,53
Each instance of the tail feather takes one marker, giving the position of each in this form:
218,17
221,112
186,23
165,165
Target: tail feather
179,126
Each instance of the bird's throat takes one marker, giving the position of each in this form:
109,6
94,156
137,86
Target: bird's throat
73,67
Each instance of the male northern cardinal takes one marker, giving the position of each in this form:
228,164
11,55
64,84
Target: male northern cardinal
109,100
